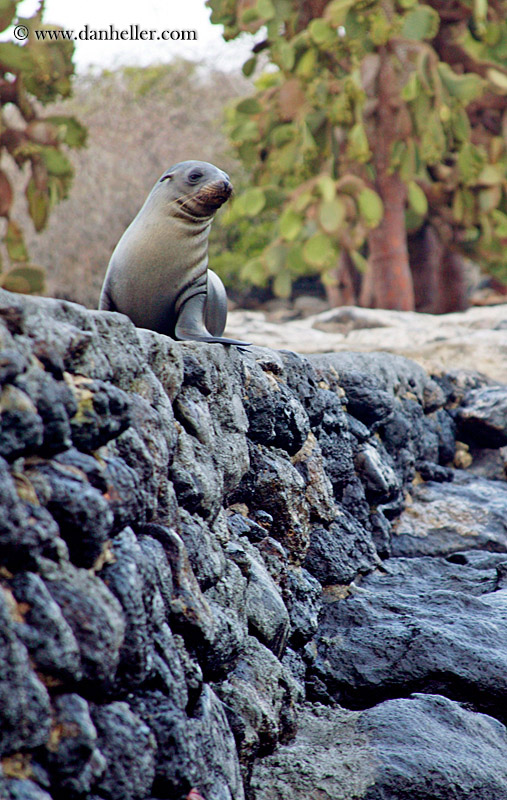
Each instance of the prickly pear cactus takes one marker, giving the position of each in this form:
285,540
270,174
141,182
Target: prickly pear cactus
32,73
363,104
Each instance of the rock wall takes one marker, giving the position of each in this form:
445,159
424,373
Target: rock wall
234,574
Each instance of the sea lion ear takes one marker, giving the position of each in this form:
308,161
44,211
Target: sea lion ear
167,177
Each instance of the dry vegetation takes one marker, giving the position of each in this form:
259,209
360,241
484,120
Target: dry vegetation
140,121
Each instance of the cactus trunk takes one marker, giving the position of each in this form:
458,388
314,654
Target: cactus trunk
389,284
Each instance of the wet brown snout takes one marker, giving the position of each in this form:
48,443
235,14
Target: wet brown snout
214,194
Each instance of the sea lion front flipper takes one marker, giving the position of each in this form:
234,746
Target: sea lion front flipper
216,305
190,325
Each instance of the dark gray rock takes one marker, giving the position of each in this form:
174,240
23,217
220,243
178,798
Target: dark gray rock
26,529
24,702
72,758
274,484
44,631
204,548
304,602
227,601
444,518
431,748
197,750
482,416
129,748
21,427
55,405
103,412
82,513
260,698
148,648
341,551
275,415
12,364
21,789
425,747
267,616
394,374
94,615
189,611
424,624
379,479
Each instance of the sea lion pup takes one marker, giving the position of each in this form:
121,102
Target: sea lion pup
158,274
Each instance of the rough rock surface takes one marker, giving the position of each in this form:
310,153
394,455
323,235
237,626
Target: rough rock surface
245,572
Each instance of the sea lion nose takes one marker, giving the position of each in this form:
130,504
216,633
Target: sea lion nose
227,187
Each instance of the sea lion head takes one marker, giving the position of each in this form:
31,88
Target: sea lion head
199,188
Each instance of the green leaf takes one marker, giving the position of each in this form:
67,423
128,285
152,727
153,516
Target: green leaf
25,280
72,132
370,206
15,243
337,11
417,199
295,261
290,225
254,272
286,55
56,162
265,9
282,285
421,23
327,187
433,141
460,125
246,131
38,205
332,215
412,220
500,223
319,250
321,32
249,66
490,198
471,161
251,202
492,175
360,262
275,257
283,133
15,58
306,65
498,79
249,106
464,88
411,88
358,148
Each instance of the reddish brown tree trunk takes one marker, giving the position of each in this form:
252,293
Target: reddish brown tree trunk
438,274
345,291
390,280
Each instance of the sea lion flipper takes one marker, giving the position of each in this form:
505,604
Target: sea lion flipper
190,323
216,305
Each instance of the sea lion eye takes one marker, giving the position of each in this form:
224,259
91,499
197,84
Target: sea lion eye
194,176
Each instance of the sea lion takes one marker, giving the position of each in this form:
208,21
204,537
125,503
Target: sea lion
158,274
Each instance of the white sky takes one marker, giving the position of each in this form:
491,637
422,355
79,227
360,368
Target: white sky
150,14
